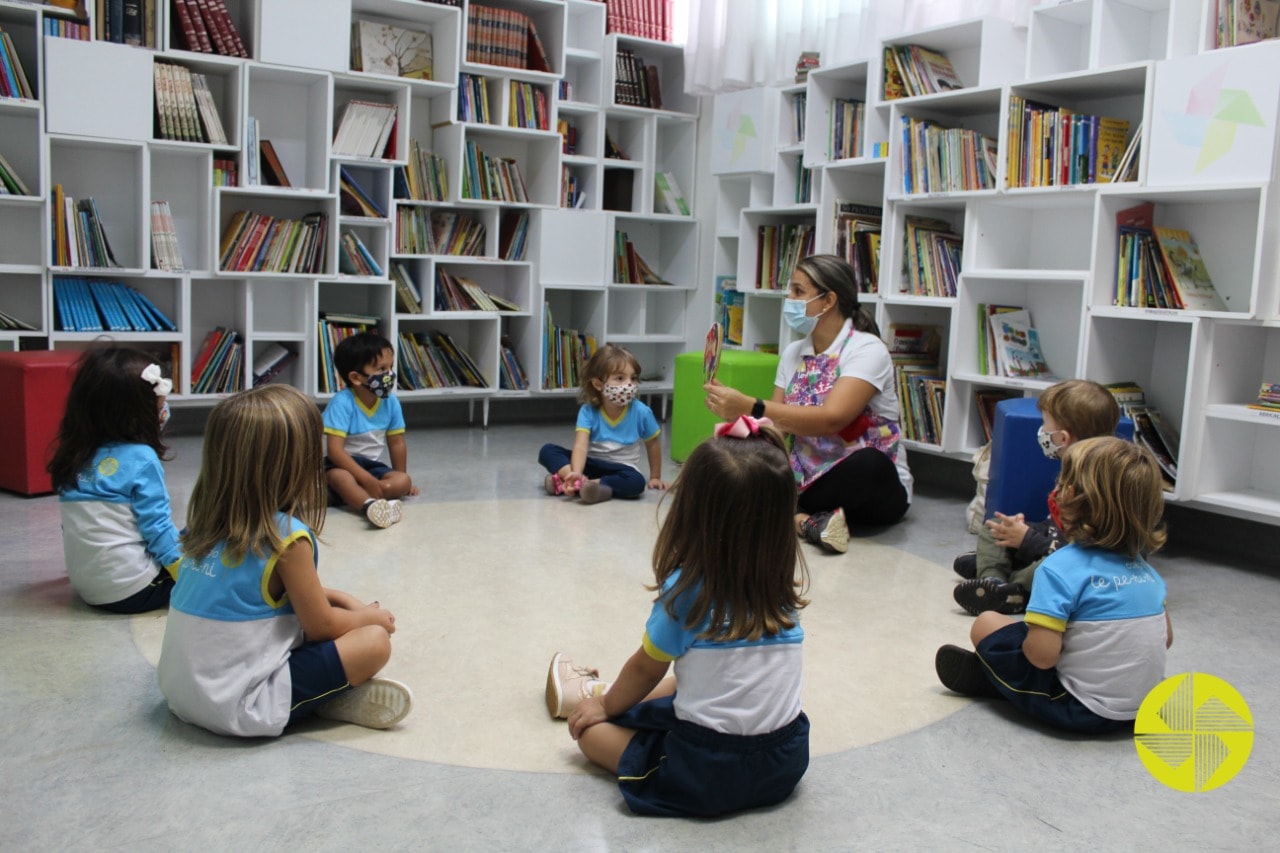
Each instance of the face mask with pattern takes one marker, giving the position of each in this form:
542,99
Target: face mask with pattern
620,394
381,384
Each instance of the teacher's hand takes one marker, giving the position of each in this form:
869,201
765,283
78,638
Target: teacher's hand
726,402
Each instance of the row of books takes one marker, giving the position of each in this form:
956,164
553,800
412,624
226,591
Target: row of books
845,128
511,375
564,353
650,19
331,328
932,256
225,172
513,235
96,305
420,231
1053,146
354,200
434,360
354,257
528,107
79,239
257,242
985,400
1151,428
568,136
636,83
459,293
365,130
10,323
857,240
921,384
219,365
945,159
423,178
131,22
731,304
504,37
1009,345
804,183
473,99
13,78
11,182
628,266
165,253
778,248
492,178
668,196
1246,21
381,48
798,107
408,296
207,27
1160,267
185,108
572,193
913,69
68,29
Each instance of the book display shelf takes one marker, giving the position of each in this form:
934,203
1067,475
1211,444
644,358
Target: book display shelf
1051,249
93,130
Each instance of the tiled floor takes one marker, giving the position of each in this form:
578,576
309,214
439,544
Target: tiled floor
488,578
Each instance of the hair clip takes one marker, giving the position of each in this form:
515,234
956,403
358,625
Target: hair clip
161,386
743,426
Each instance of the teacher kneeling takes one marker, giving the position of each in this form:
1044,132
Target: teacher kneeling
835,395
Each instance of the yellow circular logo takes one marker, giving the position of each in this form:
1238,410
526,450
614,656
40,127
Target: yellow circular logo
108,466
1193,732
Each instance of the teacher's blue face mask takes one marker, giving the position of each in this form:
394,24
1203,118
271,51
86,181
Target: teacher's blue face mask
794,313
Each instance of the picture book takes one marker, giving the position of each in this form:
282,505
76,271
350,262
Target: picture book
1112,142
940,73
731,304
1187,271
1255,20
894,88
1017,346
711,352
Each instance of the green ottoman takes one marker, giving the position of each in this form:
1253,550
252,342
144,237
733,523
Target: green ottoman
691,421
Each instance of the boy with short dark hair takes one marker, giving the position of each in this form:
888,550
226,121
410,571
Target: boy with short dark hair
364,432
998,576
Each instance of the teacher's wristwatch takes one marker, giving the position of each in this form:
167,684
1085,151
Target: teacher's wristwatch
757,411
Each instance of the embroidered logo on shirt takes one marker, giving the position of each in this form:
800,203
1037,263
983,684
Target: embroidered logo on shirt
108,466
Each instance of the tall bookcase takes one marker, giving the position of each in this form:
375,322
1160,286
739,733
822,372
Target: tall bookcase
1053,249
91,129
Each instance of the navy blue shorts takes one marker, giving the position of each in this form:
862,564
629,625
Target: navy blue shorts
1037,692
153,596
373,466
317,675
674,767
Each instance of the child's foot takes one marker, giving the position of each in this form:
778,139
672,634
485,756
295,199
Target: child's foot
961,671
553,484
594,493
380,514
827,530
567,685
979,595
379,703
966,566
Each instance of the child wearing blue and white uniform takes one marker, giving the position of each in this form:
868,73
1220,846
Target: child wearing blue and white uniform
1094,639
727,732
614,435
118,537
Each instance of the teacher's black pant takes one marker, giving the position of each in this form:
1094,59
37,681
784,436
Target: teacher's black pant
865,484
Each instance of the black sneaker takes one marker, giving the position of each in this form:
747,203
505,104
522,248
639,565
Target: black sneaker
982,594
966,566
827,530
960,671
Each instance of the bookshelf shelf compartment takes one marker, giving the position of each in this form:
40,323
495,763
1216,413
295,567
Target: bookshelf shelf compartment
293,109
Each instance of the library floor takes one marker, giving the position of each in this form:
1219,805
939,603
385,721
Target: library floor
488,577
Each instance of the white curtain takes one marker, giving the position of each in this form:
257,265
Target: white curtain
739,44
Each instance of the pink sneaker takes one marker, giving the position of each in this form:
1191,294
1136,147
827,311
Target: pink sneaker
553,484
567,685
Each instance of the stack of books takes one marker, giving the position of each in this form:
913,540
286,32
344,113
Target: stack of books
165,253
913,69
270,361
636,84
378,48
1053,146
1268,398
945,159
1150,428
95,305
565,351
857,233
332,328
932,255
459,293
434,360
207,27
13,78
504,37
256,242
511,376
365,130
921,384
10,323
219,366
354,258
1159,267
845,129
650,20
424,179
492,178
778,248
628,266
79,238
408,296
185,107
528,107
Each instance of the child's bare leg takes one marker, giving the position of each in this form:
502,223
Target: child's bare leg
801,518
396,484
351,492
364,652
604,743
987,624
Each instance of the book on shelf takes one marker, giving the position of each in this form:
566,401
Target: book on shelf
932,256
1017,346
513,235
565,352
219,366
730,307
271,169
365,129
97,305
331,328
353,199
807,62
185,109
252,165
1150,427
1246,21
527,106
473,99
1268,398
504,37
921,385
1187,272
635,85
207,27
669,195
511,375
165,253
77,29
380,48
79,235
434,360
224,172
492,178
269,361
459,293
11,182
612,150
628,266
354,258
651,20
779,247
987,362
845,128
257,242
421,231
912,69
10,323
936,158
423,179
855,226
408,298
985,401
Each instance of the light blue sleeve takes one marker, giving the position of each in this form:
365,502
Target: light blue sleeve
665,635
1052,595
397,416
337,415
648,423
587,417
150,501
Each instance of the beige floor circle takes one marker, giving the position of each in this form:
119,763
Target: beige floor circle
484,592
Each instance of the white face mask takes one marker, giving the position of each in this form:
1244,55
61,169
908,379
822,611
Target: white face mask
620,394
1045,438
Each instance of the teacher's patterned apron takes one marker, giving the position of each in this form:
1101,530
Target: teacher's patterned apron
814,455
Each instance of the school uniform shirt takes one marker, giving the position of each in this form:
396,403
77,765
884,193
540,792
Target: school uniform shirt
807,377
1110,611
365,430
117,529
224,664
619,441
740,687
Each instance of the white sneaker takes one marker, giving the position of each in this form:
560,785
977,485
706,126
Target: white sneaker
380,514
567,685
379,703
396,511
